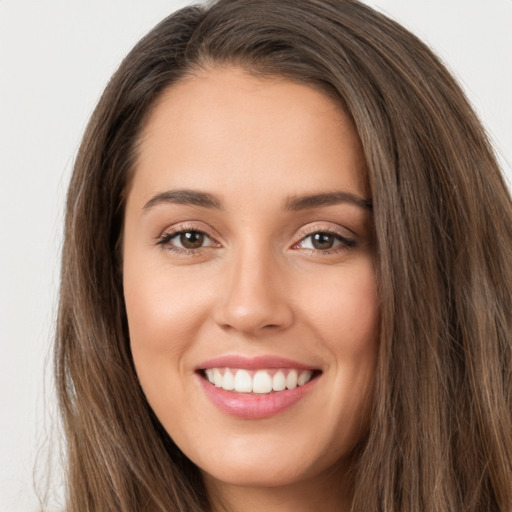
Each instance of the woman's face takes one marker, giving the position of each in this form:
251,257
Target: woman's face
249,277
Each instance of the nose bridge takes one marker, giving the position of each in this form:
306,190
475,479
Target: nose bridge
253,298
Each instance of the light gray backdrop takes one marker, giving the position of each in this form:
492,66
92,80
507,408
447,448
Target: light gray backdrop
55,58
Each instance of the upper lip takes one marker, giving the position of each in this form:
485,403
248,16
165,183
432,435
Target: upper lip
253,363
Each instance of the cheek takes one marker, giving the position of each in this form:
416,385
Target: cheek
345,315
160,301
164,316
358,315
165,311
345,310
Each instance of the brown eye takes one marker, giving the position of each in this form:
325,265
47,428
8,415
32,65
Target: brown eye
191,239
322,241
186,240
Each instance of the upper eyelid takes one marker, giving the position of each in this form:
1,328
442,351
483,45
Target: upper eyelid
344,240
310,230
300,234
183,228
164,241
168,235
303,231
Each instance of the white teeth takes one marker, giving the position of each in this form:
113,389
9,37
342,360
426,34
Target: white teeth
291,379
304,377
260,382
228,381
243,382
279,381
217,377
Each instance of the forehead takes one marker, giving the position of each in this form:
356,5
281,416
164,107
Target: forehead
224,130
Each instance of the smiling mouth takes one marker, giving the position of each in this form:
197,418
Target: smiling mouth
259,382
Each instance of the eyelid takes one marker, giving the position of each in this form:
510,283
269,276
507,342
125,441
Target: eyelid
346,242
326,227
337,231
340,231
184,226
164,238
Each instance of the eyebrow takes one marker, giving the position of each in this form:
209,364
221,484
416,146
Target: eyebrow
293,203
190,197
305,202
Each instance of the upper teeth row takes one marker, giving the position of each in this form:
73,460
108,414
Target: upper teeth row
260,382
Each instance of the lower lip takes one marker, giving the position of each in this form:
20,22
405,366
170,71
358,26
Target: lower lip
254,406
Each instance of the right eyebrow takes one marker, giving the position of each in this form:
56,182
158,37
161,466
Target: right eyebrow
185,196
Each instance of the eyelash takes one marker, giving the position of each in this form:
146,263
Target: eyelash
346,243
165,241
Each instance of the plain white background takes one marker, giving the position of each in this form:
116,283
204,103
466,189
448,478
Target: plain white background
55,59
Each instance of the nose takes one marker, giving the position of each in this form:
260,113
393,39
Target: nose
254,299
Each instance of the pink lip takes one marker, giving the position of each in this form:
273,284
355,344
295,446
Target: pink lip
248,405
252,363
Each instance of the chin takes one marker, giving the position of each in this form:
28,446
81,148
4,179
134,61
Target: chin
268,462
250,473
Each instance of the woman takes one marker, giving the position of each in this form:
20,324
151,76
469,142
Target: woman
286,274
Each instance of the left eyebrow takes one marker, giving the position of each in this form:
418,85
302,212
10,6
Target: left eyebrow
304,202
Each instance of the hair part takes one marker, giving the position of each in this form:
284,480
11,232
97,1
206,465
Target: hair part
441,436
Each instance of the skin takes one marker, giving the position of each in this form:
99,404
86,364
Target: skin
257,285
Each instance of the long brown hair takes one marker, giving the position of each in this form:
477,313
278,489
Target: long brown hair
441,431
